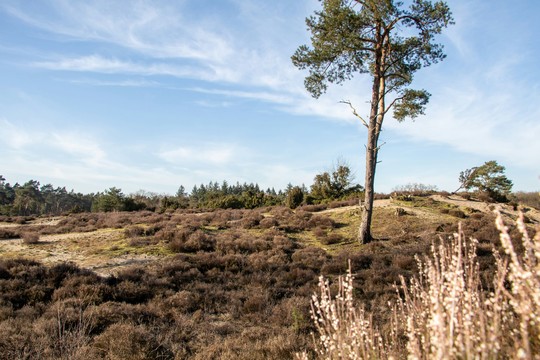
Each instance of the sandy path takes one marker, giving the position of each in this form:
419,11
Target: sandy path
91,250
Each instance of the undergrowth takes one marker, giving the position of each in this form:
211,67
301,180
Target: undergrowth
443,312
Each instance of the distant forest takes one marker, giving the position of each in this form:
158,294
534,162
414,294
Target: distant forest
34,199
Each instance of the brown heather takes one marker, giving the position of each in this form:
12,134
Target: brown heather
443,312
228,287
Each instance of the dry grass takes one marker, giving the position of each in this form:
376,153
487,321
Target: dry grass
443,312
345,331
524,295
30,238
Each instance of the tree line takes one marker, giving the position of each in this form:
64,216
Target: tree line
34,199
31,198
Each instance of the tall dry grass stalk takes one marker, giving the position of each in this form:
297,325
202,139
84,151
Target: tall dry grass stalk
444,312
345,331
524,295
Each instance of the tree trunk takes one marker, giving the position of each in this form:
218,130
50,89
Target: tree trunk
374,129
364,233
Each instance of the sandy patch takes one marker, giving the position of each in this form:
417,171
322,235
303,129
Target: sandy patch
100,251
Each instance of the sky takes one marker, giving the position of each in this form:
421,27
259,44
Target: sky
151,95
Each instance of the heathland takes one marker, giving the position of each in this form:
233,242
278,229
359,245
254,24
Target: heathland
215,283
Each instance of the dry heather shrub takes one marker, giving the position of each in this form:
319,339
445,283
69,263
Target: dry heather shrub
343,203
332,238
457,213
319,232
128,341
313,208
9,234
64,330
443,313
30,238
251,220
323,222
134,231
268,222
528,199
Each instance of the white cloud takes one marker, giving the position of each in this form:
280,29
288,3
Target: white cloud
142,26
15,137
79,146
216,154
118,83
173,42
99,64
277,98
70,144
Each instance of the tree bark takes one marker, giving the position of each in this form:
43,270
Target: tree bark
364,233
374,129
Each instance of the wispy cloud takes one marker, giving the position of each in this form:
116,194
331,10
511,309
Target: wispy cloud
79,146
70,144
480,122
216,154
99,64
115,83
173,42
481,104
277,98
14,136
142,26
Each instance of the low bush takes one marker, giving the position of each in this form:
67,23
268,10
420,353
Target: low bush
332,238
319,232
343,203
457,213
134,231
313,208
323,222
251,220
190,240
416,189
7,233
30,238
129,341
268,223
531,199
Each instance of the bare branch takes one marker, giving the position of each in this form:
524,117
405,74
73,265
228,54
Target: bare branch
355,113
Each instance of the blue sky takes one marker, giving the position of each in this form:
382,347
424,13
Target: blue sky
157,94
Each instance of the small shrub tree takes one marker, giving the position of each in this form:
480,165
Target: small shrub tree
488,180
335,185
294,197
416,189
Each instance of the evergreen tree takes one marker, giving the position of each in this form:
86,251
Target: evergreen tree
488,179
294,197
386,40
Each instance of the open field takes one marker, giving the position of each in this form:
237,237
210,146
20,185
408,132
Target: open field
107,250
226,284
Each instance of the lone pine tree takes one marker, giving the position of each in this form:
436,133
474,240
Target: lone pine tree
488,179
386,40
